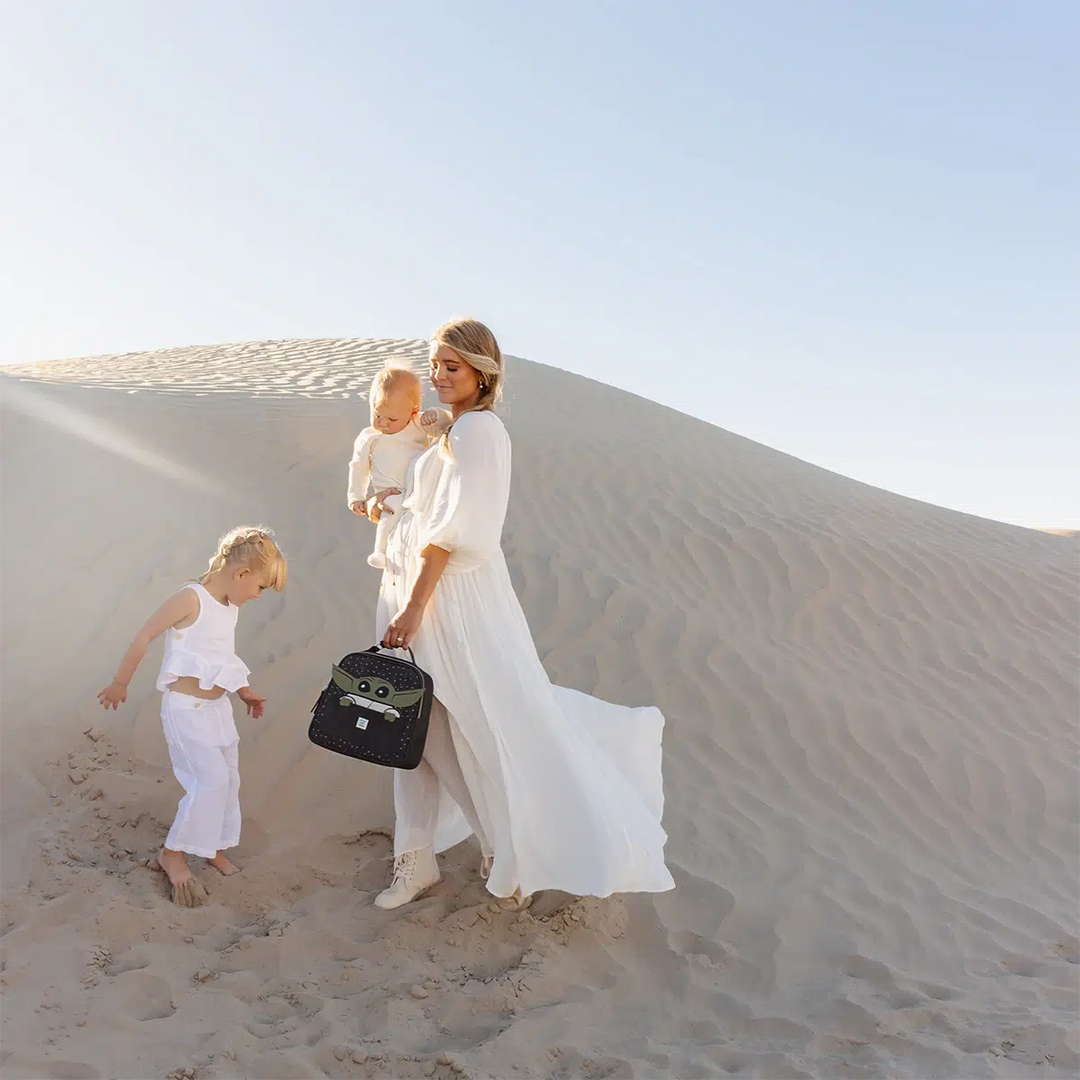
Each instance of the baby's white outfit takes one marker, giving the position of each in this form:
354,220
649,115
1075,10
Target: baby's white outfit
382,461
200,733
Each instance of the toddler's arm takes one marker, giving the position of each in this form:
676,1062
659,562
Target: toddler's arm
184,605
253,701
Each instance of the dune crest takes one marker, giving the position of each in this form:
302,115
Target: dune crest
871,758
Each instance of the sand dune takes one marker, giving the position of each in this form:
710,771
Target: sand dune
871,762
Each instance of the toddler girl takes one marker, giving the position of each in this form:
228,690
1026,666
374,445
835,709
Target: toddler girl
199,668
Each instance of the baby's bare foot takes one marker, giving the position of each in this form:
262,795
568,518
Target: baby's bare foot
221,863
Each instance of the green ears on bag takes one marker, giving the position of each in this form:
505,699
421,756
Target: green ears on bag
376,690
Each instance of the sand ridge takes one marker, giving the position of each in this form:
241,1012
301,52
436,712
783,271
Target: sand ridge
320,367
870,761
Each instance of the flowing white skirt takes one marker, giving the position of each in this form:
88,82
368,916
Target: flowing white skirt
567,787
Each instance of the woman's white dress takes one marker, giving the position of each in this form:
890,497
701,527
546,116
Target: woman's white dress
568,788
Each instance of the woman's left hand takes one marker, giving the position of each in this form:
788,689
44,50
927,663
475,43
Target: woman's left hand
403,627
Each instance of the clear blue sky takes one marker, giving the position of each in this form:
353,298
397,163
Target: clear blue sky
848,230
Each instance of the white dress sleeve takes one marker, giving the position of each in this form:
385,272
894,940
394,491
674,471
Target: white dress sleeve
466,513
360,466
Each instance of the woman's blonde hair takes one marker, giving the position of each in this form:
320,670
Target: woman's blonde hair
251,546
476,345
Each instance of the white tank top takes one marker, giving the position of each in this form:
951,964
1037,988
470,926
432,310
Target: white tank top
206,649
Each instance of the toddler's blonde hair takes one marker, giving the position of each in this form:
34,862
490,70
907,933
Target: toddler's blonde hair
394,378
252,546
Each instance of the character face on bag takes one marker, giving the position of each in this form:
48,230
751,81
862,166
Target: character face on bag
375,694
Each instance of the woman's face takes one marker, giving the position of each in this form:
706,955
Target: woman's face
455,380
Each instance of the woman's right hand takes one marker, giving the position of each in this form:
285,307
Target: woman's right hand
403,627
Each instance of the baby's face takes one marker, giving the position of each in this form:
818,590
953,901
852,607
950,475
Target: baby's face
392,412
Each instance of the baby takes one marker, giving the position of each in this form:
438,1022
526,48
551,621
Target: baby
383,452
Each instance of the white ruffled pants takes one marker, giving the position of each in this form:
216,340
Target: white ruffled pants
203,746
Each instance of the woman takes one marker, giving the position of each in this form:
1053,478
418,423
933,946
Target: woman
562,790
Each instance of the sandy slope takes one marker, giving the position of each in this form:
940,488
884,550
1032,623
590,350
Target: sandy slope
871,760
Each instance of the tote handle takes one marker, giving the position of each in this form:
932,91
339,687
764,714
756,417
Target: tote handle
388,648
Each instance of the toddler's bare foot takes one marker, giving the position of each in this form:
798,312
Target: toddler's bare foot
220,863
187,890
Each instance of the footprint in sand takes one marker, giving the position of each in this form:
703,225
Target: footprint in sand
51,1069
1069,950
144,996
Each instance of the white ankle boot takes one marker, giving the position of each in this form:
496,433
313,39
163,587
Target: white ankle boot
414,873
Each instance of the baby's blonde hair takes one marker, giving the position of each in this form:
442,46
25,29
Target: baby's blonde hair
396,378
251,546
